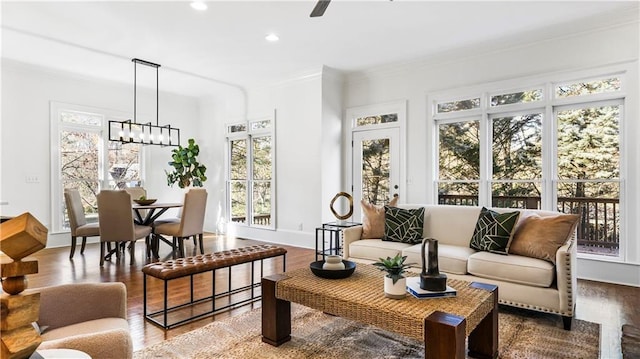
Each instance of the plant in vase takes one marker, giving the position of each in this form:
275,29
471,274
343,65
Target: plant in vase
395,284
186,168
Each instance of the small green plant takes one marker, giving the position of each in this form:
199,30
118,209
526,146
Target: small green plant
186,169
394,267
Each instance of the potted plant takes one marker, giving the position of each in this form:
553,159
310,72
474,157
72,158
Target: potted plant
187,170
395,284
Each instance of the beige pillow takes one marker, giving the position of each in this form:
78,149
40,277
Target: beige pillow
373,219
540,237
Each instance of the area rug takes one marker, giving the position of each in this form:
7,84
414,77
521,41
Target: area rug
523,334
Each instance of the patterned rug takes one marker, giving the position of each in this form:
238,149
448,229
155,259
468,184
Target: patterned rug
523,334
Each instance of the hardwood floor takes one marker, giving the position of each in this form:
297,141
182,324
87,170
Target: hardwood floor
608,304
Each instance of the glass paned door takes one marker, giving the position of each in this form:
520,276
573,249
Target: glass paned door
238,180
376,166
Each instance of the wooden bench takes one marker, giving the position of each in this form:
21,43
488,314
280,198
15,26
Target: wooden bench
190,266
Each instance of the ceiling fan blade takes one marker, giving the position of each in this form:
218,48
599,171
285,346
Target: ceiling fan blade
320,7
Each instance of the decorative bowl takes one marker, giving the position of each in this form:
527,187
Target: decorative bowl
145,202
349,268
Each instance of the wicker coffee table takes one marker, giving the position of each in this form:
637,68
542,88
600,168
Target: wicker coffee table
443,323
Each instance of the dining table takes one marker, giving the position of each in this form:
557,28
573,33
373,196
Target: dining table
153,211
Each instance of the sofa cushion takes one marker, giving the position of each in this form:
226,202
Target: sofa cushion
513,268
373,219
494,231
374,249
88,327
403,225
540,237
451,259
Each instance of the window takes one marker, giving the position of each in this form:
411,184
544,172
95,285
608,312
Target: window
84,159
250,175
554,146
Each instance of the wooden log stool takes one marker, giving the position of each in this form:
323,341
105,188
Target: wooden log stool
19,237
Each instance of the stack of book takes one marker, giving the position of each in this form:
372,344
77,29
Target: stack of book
413,287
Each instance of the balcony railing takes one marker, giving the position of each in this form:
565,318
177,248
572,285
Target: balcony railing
258,220
599,226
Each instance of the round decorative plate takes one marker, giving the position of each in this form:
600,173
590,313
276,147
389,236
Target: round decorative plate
145,202
349,268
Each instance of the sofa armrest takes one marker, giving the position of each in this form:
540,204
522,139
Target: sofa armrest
350,235
114,343
566,276
68,304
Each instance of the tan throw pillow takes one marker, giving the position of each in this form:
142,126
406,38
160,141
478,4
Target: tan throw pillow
540,237
373,219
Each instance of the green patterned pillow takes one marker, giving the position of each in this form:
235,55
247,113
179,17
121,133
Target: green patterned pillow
403,225
494,231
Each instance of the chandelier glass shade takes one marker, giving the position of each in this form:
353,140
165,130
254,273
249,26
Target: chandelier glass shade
131,131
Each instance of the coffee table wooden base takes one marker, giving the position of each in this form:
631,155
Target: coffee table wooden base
444,333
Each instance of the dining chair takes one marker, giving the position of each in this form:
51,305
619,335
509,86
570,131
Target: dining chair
116,223
77,220
190,223
136,193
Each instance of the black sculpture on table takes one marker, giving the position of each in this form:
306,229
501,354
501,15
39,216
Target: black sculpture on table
432,279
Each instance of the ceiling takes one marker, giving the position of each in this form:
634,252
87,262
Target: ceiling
201,52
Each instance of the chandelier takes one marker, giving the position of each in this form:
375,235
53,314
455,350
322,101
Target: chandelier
130,131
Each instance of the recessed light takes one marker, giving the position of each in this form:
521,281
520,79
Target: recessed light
199,5
272,37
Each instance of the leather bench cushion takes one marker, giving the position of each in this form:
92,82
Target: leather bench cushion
512,268
451,259
374,249
84,328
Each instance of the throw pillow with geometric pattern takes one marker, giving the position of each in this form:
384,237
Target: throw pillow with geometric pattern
403,225
494,231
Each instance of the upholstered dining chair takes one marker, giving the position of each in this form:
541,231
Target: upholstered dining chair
136,192
190,223
78,221
116,223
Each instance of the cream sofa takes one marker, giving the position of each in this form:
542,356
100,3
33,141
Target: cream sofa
523,282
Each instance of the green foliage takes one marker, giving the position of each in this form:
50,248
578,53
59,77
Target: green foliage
394,267
186,169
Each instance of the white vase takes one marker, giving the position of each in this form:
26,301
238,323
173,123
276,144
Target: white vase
397,290
333,262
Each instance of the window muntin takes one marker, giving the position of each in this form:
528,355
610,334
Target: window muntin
572,163
516,97
242,127
376,120
459,150
458,105
589,143
588,87
250,174
517,147
84,158
238,179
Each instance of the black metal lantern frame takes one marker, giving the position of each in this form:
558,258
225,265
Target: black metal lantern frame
130,131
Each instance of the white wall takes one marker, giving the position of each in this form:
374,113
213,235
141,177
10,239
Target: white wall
565,52
25,138
308,154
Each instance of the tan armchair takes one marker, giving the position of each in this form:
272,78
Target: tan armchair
191,223
77,220
116,223
90,317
